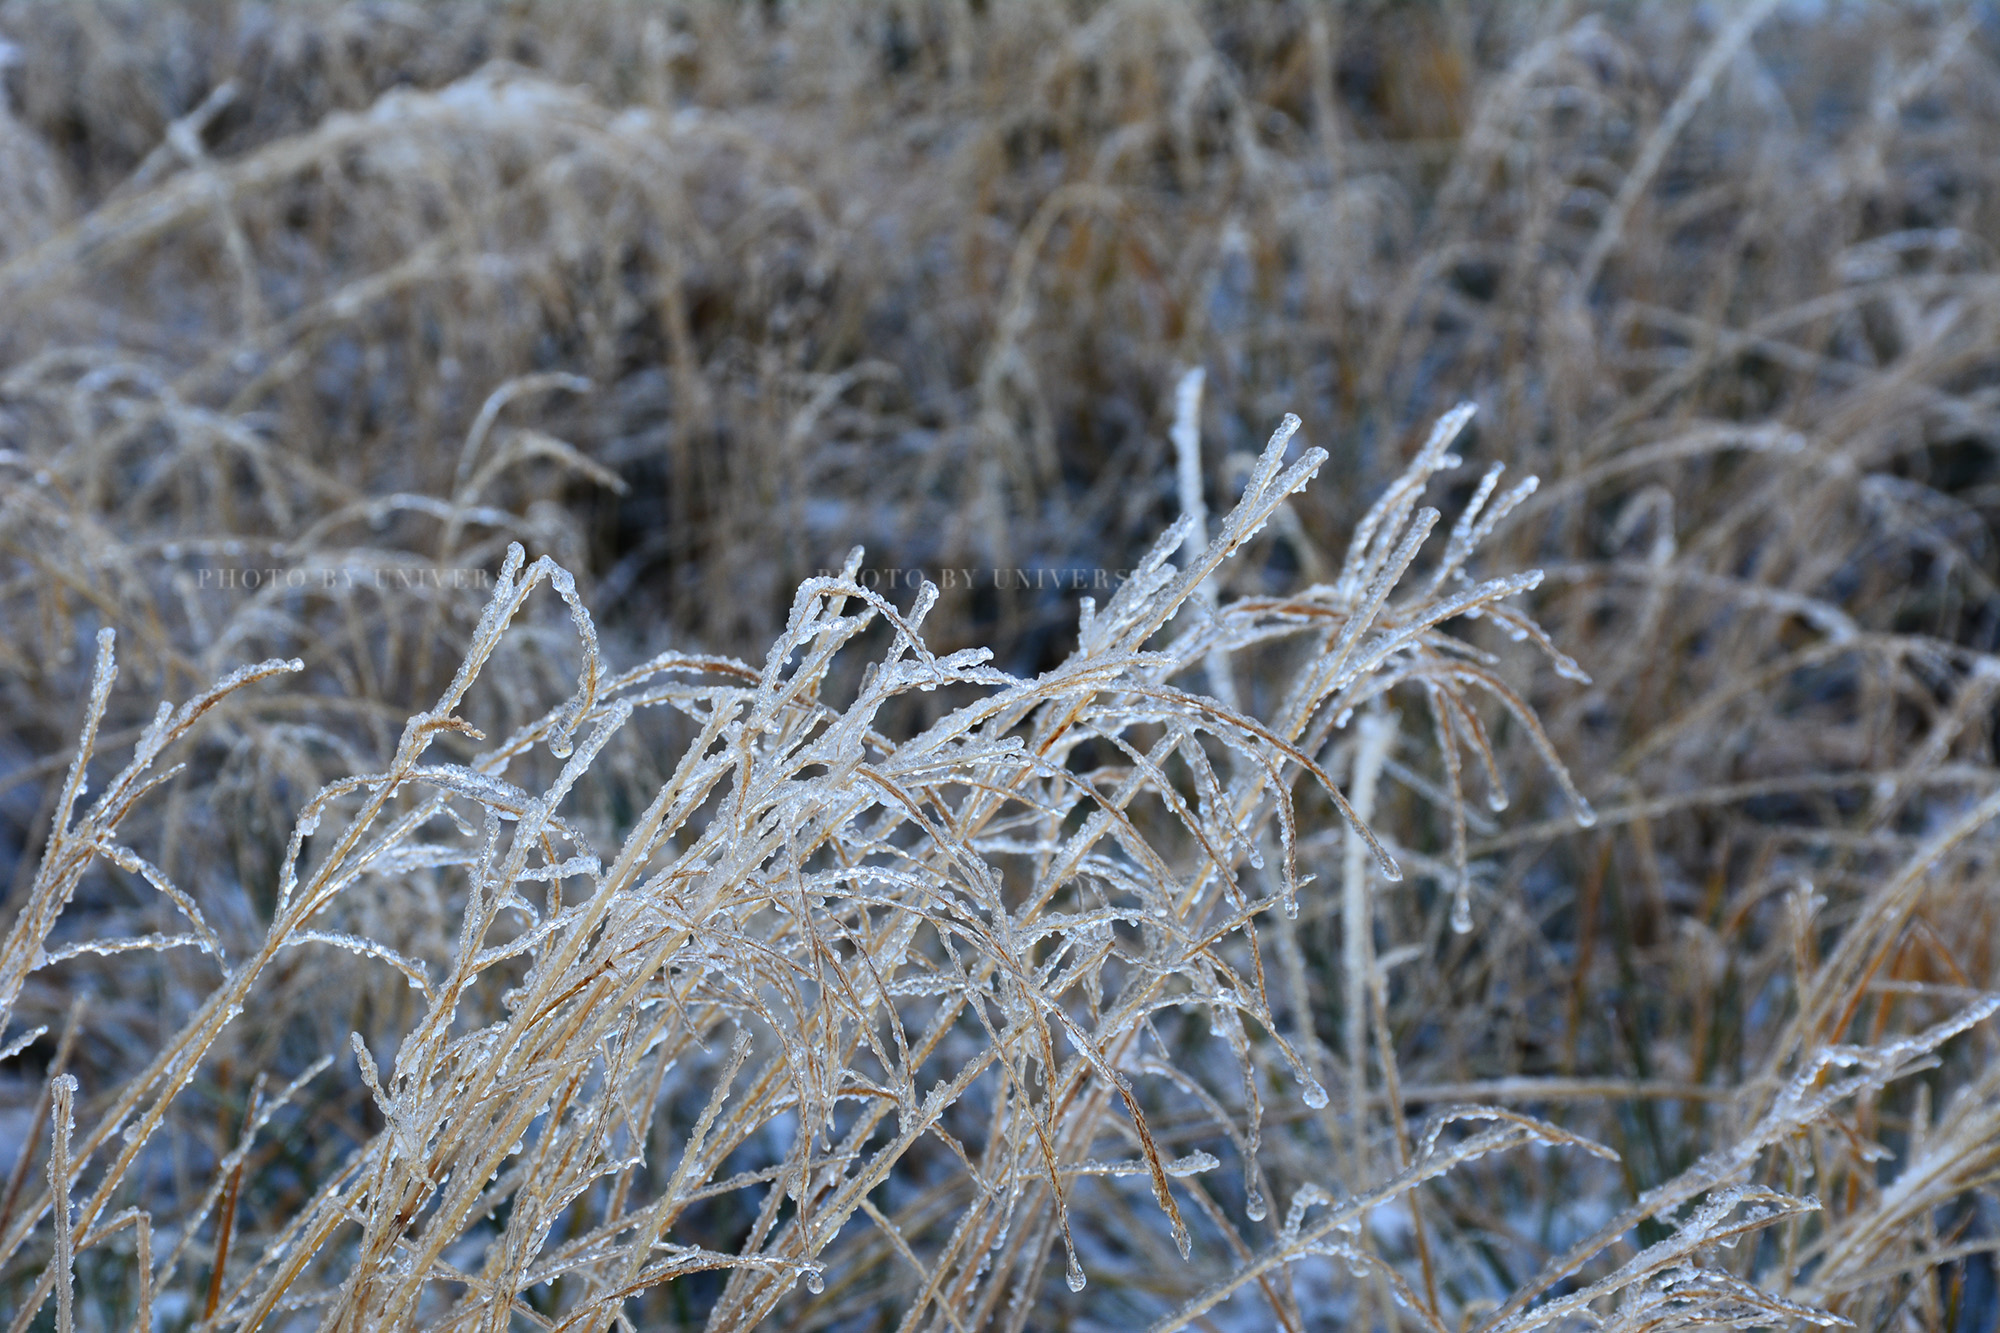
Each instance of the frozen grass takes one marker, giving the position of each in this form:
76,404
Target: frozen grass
1416,899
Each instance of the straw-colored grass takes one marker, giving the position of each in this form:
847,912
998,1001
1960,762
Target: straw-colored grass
758,732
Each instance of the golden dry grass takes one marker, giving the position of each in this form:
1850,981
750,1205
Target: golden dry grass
745,745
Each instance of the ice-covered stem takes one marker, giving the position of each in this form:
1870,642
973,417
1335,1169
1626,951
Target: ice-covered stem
1187,458
1194,509
64,1092
1375,733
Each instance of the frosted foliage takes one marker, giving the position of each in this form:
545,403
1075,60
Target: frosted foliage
676,922
953,956
894,930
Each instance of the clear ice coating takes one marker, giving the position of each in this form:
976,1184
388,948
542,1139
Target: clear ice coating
768,735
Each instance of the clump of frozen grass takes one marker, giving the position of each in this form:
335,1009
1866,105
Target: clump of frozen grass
936,967
1735,308
883,933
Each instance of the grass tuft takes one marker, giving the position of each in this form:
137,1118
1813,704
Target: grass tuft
659,666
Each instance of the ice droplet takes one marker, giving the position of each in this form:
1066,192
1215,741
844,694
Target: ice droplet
1346,716
1253,1203
815,1281
1461,913
1074,1277
1586,816
1315,1094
